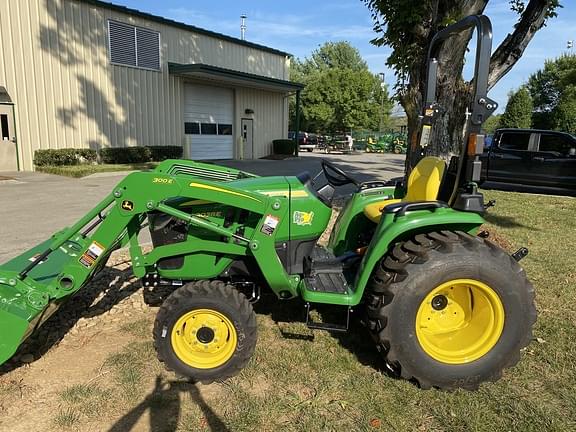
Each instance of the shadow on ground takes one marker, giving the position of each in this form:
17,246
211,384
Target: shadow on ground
164,407
356,340
506,222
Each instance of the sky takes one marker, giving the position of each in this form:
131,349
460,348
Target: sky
299,27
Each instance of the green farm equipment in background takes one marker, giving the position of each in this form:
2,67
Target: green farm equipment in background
444,306
390,142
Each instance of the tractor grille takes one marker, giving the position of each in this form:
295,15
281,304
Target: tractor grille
209,174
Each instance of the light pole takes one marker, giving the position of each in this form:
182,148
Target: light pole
382,87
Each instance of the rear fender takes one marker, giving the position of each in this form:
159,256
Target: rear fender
393,229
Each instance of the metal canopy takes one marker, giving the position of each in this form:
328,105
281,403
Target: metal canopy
4,96
229,76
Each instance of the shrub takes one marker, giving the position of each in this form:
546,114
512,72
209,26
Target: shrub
125,155
116,155
60,157
283,146
160,153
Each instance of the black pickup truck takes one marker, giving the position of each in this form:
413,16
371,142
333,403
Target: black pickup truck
529,159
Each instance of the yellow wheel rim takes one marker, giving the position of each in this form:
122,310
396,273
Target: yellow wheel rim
204,339
459,321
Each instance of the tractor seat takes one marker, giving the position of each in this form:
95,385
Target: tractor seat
423,185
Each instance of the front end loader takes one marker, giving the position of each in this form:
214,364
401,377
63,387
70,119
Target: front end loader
445,307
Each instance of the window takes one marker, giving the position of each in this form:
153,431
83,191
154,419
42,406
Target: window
195,128
192,128
208,128
555,144
514,141
4,127
133,46
224,129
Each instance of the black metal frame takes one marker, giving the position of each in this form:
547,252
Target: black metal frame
481,107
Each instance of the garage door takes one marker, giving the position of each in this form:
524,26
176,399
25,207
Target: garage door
208,115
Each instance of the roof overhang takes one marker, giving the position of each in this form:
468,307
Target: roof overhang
4,96
206,72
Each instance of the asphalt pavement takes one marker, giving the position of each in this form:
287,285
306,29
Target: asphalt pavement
35,205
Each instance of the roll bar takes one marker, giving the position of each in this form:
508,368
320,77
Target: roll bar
482,107
469,166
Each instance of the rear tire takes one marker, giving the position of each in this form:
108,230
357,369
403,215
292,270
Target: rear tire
450,310
205,331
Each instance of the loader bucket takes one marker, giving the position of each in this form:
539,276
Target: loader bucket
14,329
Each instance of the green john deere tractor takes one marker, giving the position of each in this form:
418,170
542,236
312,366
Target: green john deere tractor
445,307
390,142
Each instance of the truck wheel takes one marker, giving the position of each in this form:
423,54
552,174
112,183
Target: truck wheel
450,310
205,331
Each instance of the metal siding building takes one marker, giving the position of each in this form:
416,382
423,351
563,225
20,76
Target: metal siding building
55,64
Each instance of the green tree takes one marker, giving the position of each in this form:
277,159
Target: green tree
518,113
407,26
491,124
564,113
547,86
341,93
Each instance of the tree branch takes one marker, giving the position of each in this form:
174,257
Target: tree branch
512,47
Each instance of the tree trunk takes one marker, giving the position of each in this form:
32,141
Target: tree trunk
453,93
453,97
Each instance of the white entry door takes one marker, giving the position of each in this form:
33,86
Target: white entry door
208,120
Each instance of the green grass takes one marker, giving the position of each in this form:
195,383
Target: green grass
78,393
78,171
335,383
67,418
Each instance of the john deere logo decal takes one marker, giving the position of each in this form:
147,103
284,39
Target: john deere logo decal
303,218
127,205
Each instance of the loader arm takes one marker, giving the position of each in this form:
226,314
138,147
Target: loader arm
33,285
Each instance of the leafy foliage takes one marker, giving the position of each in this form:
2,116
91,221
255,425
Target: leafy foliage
404,26
547,87
518,113
407,27
341,93
160,153
491,124
128,155
564,114
117,155
124,155
62,157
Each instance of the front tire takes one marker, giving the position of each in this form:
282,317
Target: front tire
205,331
450,310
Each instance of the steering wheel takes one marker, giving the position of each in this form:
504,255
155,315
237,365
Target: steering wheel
335,176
